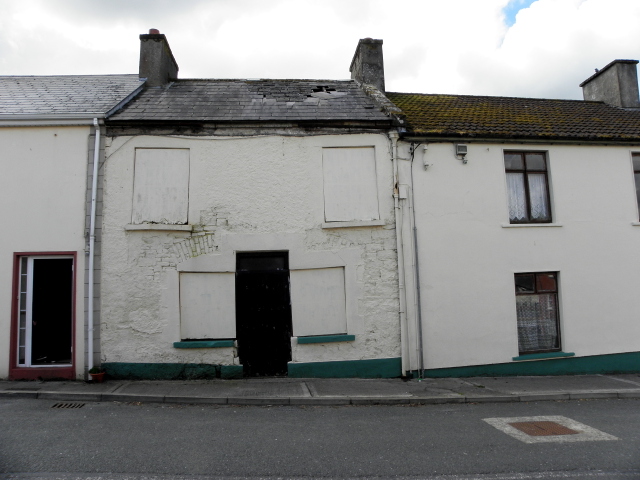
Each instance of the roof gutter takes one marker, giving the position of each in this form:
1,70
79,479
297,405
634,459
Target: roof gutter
40,120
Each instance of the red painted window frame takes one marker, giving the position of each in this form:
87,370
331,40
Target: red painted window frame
32,373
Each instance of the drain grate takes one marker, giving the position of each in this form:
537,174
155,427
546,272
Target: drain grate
68,405
543,429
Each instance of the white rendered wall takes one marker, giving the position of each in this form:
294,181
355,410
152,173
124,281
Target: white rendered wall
43,185
469,253
245,194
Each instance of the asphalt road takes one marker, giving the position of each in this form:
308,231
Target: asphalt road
159,441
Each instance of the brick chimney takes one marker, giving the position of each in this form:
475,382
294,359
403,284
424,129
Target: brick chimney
616,84
157,64
367,65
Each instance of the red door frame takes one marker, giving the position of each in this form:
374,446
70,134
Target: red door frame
31,373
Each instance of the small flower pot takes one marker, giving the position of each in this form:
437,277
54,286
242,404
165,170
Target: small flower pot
97,377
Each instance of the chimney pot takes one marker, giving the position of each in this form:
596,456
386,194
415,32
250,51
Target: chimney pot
154,31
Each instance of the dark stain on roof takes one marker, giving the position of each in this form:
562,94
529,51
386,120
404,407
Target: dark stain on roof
467,116
213,100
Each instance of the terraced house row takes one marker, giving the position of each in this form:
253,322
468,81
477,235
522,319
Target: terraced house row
162,227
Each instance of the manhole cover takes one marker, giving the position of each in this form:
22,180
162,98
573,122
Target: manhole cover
547,429
540,429
68,405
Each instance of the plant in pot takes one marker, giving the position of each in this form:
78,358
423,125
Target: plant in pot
97,374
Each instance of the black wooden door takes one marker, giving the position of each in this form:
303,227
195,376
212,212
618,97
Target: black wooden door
263,312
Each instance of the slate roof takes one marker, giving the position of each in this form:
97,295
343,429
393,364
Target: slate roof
253,101
506,117
64,94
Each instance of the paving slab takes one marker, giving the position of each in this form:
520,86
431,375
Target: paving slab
58,386
446,386
73,397
315,391
118,397
573,383
338,387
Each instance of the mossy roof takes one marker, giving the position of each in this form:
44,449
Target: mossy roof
467,116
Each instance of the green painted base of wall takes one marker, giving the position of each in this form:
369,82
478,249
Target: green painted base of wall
597,364
229,372
161,371
377,368
327,339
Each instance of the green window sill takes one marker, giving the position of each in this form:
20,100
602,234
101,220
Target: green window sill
326,339
204,344
542,356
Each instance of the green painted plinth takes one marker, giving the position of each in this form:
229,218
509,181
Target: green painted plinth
160,371
596,364
375,368
327,339
231,371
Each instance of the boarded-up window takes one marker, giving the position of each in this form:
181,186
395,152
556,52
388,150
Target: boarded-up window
350,185
207,306
161,186
318,301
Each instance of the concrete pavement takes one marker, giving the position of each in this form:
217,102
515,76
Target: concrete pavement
332,391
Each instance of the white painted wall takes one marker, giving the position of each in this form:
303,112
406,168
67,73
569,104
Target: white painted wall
468,252
245,194
43,185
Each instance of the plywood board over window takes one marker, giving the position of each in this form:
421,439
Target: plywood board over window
318,301
207,306
350,184
161,186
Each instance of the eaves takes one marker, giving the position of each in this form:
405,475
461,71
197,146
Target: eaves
191,127
602,141
44,120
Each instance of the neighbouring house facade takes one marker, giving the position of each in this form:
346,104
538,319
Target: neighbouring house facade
249,226
47,146
526,230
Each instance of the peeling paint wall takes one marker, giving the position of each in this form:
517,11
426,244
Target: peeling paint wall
245,194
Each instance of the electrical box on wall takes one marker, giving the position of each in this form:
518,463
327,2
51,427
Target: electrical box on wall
461,151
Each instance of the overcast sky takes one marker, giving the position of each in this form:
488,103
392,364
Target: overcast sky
527,48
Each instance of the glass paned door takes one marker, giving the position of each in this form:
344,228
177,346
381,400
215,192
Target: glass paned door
45,311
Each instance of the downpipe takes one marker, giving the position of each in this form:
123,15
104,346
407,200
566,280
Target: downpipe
92,242
393,140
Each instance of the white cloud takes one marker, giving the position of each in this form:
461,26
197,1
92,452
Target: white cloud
457,46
